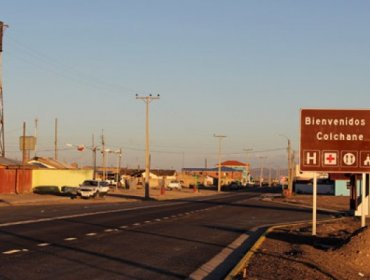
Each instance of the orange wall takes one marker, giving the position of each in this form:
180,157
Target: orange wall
15,180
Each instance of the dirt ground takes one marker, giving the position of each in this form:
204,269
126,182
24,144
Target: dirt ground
340,250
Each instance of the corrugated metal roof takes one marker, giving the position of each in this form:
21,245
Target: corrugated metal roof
50,163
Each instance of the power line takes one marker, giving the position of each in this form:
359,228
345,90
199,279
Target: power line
50,64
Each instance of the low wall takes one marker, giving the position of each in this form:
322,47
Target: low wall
308,189
60,177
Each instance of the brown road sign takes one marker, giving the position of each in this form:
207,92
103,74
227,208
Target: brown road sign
335,140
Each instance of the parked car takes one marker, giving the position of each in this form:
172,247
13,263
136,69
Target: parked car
93,188
174,185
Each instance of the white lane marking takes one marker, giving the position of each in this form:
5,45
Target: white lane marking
203,271
70,238
11,252
165,218
43,244
158,220
101,212
123,227
85,214
148,222
136,224
91,234
108,230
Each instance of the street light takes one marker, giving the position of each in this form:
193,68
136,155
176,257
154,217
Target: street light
220,137
81,148
119,156
147,99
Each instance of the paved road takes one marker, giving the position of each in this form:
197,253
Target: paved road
146,240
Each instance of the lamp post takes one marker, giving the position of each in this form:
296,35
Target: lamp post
119,155
220,137
147,99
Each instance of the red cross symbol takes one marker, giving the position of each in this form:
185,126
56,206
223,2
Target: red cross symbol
330,159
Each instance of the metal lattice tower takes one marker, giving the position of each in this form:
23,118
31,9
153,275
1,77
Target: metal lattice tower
2,136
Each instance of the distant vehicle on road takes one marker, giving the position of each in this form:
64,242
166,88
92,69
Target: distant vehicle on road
174,185
93,188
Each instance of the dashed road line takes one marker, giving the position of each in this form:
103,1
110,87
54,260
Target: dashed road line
12,252
70,238
43,244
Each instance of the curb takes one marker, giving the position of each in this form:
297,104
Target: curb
310,207
240,270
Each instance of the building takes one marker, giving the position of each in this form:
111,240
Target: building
243,167
203,175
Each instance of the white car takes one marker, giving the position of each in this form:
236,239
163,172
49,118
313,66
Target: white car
174,185
93,188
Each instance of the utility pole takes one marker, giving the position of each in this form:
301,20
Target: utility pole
93,149
220,137
2,133
270,177
261,168
147,99
56,140
24,152
247,167
118,176
103,151
290,166
36,132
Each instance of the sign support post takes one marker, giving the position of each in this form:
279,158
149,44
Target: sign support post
363,193
314,204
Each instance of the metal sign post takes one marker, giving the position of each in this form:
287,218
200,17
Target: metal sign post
314,204
363,196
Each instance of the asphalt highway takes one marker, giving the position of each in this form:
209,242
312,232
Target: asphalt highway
187,238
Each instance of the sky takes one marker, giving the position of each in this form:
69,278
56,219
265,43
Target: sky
240,68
